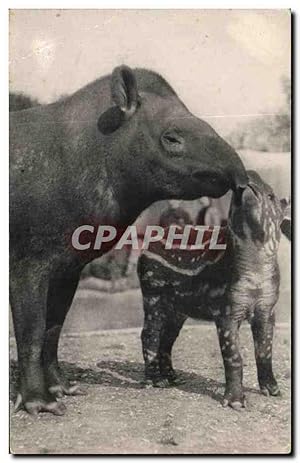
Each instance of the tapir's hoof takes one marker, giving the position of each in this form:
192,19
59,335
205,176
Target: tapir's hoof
59,390
270,389
176,381
161,382
237,403
156,382
33,407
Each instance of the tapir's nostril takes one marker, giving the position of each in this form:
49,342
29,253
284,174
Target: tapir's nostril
241,181
238,175
242,185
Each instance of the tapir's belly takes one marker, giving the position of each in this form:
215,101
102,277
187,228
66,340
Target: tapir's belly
200,300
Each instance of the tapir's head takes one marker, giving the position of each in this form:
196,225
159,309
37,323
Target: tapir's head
170,152
257,214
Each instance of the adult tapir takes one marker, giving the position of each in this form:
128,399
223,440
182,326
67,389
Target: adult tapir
104,153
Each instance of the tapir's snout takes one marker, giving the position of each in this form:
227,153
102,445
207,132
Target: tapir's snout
234,167
239,176
225,160
225,171
213,165
236,170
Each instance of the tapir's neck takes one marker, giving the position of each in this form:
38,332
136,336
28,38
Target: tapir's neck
126,178
252,257
106,187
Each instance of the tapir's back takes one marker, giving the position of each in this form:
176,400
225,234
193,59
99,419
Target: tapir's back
36,171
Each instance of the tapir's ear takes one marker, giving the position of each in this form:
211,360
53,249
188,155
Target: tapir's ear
126,98
124,90
110,120
286,225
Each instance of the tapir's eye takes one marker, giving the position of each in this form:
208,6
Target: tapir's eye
172,140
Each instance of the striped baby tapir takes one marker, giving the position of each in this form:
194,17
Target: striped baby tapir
227,286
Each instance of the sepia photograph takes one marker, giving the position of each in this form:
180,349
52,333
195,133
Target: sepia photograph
150,231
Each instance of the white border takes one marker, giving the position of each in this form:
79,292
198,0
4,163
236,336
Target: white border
154,4
106,4
4,237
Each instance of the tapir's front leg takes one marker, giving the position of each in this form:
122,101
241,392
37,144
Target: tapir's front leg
228,333
62,287
262,329
29,287
171,329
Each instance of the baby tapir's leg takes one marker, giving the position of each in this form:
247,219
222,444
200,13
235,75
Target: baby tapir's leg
262,329
151,333
171,328
158,336
29,315
61,291
228,333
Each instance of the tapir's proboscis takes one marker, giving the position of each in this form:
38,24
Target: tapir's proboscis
103,154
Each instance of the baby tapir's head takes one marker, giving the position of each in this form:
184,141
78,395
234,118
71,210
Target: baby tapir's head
257,214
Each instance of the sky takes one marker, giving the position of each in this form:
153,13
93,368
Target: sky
226,65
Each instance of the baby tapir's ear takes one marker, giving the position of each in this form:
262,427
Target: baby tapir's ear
125,95
286,226
286,208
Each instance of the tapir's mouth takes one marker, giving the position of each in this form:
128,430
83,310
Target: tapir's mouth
212,184
201,175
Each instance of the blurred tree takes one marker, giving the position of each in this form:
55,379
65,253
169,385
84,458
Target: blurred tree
19,101
269,133
287,90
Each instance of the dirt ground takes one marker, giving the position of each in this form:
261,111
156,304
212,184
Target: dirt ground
121,416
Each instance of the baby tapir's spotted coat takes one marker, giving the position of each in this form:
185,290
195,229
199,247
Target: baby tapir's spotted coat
239,283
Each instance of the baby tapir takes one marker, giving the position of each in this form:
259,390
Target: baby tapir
238,283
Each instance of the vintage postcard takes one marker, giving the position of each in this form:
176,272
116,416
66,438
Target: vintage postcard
150,232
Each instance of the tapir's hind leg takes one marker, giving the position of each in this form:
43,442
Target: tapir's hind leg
151,335
28,297
262,330
60,295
